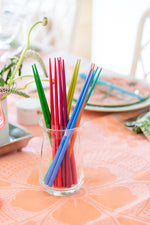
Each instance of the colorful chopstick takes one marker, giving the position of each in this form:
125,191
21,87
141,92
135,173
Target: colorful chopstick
59,181
61,118
52,108
72,85
84,104
53,169
62,169
43,101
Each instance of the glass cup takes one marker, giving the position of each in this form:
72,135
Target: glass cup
4,132
61,164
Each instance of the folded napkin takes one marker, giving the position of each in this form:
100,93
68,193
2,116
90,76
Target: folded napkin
141,125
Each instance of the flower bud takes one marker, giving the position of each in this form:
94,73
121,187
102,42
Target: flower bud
45,21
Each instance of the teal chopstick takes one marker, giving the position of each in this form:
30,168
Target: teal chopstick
93,85
108,84
42,97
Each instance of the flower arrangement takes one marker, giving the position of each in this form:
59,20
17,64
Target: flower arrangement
13,70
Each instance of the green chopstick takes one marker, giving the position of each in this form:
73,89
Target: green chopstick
72,85
42,97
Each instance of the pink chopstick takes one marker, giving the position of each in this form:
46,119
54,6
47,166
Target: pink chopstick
59,181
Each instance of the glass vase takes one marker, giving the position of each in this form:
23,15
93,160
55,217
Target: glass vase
4,132
61,163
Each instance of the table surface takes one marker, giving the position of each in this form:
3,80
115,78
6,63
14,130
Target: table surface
116,190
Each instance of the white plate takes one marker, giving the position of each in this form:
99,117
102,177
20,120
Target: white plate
135,106
141,105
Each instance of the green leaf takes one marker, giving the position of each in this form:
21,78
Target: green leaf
3,70
8,75
2,82
12,63
15,91
19,72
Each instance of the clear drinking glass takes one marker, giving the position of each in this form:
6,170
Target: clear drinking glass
70,175
4,131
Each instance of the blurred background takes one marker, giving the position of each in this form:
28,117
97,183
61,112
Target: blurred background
102,31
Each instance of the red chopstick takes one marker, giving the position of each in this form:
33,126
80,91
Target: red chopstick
61,119
52,107
59,180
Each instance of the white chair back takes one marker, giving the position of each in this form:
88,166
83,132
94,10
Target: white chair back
141,57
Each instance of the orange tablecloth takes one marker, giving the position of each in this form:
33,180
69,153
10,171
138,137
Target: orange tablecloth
116,190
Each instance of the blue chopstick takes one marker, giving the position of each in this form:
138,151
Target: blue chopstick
108,84
53,169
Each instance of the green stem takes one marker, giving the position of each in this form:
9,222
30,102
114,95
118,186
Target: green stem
23,88
30,82
22,77
22,55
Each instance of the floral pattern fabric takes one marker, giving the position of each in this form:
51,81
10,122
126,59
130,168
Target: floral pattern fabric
116,189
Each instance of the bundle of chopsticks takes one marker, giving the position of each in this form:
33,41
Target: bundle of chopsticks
62,168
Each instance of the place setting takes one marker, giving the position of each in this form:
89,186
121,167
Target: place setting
116,93
126,95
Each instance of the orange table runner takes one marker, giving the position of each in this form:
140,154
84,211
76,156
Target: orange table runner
116,190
